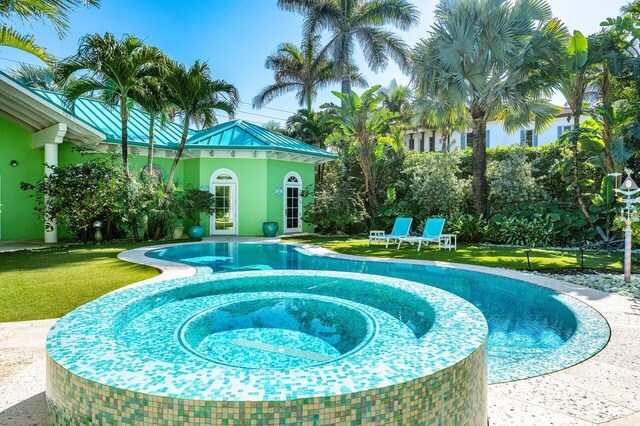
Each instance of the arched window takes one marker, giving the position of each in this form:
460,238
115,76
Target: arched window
224,187
292,202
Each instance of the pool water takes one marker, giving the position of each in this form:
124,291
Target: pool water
274,332
529,325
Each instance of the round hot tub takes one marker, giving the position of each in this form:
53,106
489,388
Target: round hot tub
270,347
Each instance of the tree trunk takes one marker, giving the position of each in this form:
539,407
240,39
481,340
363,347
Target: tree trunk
576,168
365,165
606,131
125,136
479,166
176,159
152,122
346,83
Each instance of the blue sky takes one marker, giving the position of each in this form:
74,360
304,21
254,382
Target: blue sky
235,36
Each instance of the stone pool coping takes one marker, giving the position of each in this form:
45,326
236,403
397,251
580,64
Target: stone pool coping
592,330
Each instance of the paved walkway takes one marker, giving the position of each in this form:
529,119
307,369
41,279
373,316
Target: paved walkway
17,245
604,390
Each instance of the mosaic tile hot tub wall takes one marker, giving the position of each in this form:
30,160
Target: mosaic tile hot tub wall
454,396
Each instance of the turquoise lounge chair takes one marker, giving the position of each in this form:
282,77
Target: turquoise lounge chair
432,233
400,229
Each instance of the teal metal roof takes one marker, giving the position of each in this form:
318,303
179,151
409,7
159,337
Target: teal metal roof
107,119
236,134
233,135
240,134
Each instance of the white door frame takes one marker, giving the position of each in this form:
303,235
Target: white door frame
233,195
296,184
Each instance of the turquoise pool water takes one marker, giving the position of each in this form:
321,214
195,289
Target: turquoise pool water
532,329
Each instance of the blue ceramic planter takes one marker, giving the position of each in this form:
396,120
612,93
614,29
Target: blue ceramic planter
195,232
270,229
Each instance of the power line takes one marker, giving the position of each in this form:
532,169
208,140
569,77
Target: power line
274,109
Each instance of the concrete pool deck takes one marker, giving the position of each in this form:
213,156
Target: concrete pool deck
604,389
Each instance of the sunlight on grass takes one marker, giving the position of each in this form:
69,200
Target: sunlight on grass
50,283
504,257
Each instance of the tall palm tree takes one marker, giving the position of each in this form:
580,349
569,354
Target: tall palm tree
196,95
498,59
152,97
304,70
361,21
362,124
114,67
574,85
54,11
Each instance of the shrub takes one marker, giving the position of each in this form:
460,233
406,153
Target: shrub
335,208
527,232
511,182
195,201
80,194
434,188
469,228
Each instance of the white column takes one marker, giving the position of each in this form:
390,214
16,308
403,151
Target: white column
49,139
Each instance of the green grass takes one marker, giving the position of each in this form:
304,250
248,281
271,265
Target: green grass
49,283
505,257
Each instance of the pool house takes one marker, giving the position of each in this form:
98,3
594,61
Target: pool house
257,175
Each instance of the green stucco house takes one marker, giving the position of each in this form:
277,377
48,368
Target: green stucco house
256,174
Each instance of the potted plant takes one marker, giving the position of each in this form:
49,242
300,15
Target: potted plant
194,203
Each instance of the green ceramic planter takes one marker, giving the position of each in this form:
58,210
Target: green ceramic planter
270,229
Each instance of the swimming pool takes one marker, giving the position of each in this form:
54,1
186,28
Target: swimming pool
533,330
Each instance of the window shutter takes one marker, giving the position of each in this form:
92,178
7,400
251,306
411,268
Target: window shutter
535,139
522,137
463,140
488,137
560,131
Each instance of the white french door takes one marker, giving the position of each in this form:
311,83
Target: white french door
224,187
292,203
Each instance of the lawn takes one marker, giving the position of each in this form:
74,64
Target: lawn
495,256
49,283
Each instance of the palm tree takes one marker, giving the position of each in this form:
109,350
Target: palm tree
363,21
397,98
574,86
152,97
363,125
497,59
35,76
312,128
304,70
441,116
54,11
116,68
196,95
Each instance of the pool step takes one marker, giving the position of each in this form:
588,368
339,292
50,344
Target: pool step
313,356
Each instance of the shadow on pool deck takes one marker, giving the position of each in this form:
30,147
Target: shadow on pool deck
29,412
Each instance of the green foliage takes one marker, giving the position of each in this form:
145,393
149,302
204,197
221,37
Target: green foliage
434,188
336,208
194,202
79,194
470,229
511,181
524,231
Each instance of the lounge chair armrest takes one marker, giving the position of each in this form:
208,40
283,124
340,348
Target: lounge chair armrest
375,233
